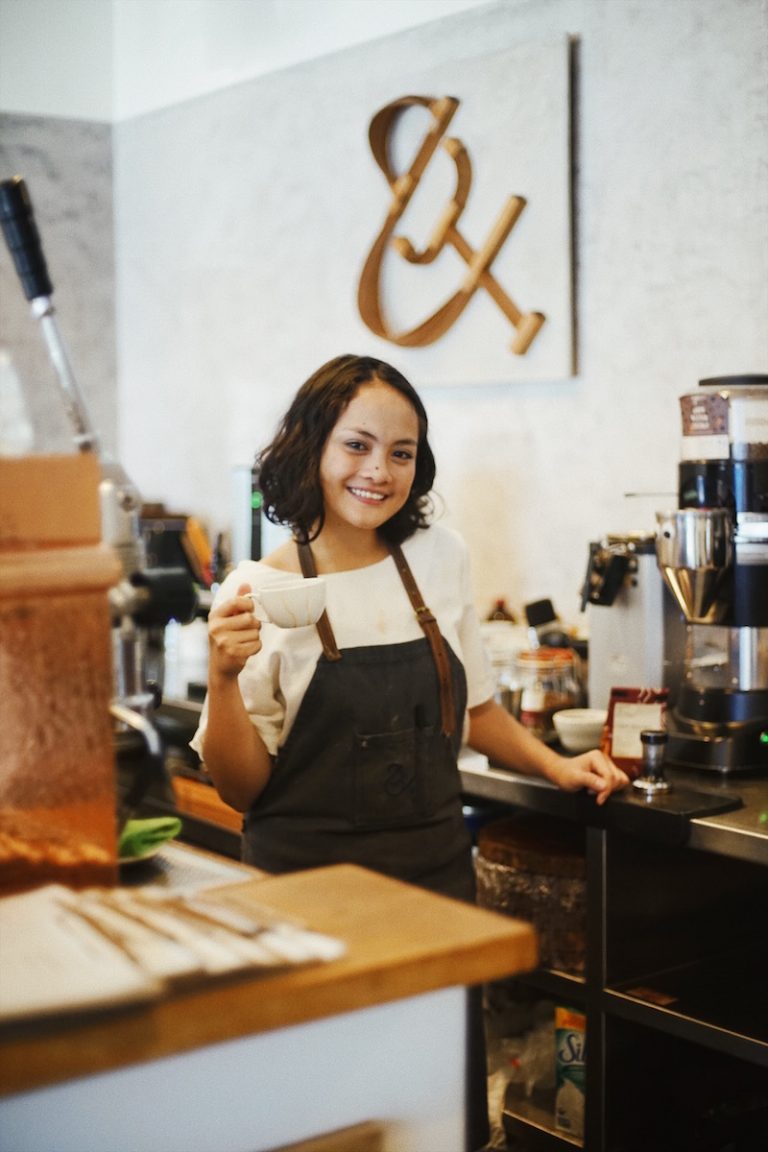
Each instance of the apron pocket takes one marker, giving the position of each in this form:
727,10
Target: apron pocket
389,785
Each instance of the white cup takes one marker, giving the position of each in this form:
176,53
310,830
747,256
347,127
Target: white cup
290,604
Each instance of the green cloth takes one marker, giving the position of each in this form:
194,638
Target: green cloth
139,837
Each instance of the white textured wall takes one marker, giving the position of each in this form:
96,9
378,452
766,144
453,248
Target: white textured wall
225,42
56,58
67,166
113,59
671,249
220,321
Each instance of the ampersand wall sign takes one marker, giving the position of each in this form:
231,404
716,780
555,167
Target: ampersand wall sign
478,261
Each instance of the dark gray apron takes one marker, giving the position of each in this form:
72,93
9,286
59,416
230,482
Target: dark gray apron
367,776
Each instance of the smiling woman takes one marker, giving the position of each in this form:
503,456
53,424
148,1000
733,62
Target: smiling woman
348,733
339,741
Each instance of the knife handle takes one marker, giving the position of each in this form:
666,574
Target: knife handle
23,239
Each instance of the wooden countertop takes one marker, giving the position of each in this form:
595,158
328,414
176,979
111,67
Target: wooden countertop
402,941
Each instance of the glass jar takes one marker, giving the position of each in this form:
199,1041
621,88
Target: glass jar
549,681
503,641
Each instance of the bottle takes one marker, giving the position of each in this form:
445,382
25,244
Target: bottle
570,1070
502,644
500,611
219,562
17,435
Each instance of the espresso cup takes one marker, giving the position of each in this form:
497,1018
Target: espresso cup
291,603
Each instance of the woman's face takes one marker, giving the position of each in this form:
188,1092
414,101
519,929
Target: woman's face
368,463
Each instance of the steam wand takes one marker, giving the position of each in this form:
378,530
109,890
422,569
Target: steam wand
23,240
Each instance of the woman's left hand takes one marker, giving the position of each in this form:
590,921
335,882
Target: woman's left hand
593,770
507,744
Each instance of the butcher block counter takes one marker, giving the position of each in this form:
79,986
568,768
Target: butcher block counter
256,1063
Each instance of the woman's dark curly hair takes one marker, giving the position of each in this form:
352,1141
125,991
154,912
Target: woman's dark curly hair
289,468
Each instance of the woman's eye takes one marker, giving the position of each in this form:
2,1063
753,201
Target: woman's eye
356,445
404,454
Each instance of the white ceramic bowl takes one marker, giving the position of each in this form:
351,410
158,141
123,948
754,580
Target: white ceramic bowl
579,729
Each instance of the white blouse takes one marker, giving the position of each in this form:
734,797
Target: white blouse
365,606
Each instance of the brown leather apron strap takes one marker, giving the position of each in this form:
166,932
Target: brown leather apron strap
425,618
432,632
324,630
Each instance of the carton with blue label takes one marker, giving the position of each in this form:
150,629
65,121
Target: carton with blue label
570,1070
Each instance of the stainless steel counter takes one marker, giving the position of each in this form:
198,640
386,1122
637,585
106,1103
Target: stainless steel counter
743,832
687,815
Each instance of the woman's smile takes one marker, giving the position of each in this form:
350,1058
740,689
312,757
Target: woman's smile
367,495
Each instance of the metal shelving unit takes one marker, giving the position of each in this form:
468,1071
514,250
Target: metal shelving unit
531,1126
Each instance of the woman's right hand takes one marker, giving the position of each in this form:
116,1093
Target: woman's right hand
234,635
233,751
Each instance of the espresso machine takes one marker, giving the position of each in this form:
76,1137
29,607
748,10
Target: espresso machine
712,552
145,599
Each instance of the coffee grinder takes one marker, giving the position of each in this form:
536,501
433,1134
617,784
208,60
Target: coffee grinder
713,554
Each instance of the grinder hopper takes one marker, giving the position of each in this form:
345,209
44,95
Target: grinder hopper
694,552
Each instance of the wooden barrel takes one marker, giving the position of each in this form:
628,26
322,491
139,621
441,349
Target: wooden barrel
534,867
